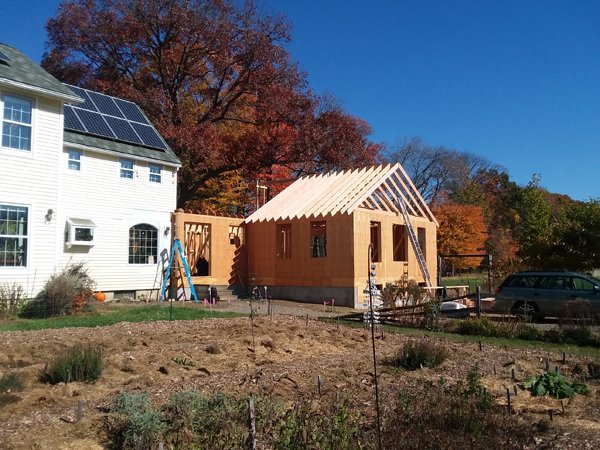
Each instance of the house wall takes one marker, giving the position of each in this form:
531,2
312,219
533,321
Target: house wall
388,270
115,204
228,258
302,276
30,179
342,274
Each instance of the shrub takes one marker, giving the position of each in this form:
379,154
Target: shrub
142,426
207,421
79,363
476,327
415,355
11,382
12,300
439,415
306,426
65,293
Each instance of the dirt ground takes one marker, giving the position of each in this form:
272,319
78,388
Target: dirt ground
288,355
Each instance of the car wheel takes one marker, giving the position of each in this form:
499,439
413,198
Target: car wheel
527,310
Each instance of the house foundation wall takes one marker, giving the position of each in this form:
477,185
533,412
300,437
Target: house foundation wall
344,296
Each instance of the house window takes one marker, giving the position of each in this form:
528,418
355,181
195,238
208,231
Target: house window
155,173
376,241
16,123
318,238
400,243
284,240
74,160
127,169
80,232
422,241
143,244
13,236
236,235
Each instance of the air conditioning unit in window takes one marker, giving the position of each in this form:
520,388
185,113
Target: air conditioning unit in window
80,232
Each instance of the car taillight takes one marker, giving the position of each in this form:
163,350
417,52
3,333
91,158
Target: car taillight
498,289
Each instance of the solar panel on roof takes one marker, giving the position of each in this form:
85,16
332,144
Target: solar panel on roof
123,130
131,111
105,104
72,122
148,135
113,118
4,58
87,103
95,123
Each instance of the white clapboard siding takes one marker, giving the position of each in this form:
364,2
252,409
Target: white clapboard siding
114,204
31,179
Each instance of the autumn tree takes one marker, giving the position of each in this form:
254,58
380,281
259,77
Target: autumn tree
462,231
437,171
215,78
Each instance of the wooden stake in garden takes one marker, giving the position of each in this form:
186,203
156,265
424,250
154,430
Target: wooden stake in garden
251,424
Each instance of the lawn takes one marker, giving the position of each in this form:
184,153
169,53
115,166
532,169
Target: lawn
114,313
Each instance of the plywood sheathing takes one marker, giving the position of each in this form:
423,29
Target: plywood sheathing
209,236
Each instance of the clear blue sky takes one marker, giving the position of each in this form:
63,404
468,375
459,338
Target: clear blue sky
517,82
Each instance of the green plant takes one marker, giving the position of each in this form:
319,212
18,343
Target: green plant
12,300
476,389
415,355
78,363
142,426
182,361
63,293
554,385
206,421
11,382
306,426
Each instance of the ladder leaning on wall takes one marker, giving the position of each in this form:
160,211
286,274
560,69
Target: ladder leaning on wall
177,246
415,243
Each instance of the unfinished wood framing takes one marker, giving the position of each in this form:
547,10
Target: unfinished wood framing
329,221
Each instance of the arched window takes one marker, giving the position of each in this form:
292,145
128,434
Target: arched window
143,244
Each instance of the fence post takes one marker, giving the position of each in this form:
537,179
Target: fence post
478,301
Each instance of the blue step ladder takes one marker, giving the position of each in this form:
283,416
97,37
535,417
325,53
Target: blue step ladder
186,268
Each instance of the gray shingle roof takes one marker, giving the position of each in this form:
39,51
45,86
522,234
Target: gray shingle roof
20,70
120,147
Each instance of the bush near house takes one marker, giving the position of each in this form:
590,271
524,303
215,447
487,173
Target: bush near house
12,300
69,292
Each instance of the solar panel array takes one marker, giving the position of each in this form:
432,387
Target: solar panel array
110,117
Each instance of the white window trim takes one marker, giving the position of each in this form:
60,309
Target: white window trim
32,125
69,160
27,236
132,170
83,224
151,174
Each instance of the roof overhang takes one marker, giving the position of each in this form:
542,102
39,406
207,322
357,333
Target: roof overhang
41,91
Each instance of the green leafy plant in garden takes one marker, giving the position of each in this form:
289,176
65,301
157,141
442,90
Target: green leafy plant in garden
416,355
554,385
11,382
142,426
78,363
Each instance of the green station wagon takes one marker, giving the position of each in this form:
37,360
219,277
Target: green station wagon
553,294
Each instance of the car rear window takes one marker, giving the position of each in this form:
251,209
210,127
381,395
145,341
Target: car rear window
521,281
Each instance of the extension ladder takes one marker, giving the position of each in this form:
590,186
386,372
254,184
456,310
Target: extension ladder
186,268
415,243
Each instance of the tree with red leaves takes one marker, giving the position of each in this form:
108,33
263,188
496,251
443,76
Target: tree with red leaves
215,79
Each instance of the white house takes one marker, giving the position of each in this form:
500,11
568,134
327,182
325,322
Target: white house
85,177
